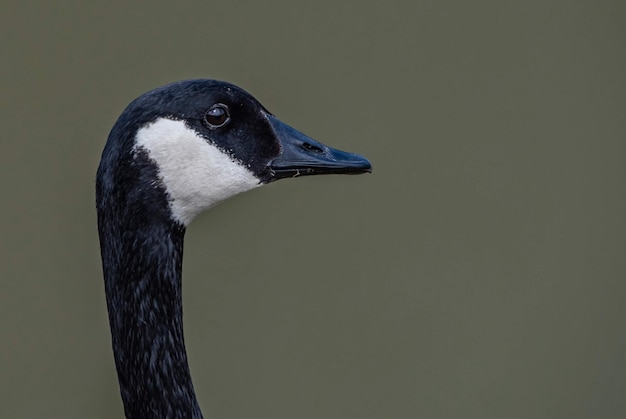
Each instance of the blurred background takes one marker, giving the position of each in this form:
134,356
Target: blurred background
479,272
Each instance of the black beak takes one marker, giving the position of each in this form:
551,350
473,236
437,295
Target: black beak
302,156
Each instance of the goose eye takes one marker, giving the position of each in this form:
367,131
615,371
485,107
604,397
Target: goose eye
217,116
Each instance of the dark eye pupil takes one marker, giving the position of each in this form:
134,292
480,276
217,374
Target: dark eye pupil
217,115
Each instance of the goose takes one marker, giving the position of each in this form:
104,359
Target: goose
174,152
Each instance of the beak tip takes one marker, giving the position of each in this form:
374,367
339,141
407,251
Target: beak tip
361,165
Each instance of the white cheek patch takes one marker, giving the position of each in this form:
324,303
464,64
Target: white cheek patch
196,174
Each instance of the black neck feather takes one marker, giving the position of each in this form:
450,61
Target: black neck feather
142,251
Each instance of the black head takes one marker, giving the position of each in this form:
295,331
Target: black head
210,140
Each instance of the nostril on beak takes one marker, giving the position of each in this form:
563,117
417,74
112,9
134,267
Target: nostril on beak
312,148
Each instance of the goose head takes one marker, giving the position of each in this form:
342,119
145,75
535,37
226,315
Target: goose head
203,141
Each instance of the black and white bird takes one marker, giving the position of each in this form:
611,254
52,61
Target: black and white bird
174,152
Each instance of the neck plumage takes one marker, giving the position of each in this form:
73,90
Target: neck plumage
142,255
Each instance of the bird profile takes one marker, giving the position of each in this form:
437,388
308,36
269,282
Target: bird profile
174,152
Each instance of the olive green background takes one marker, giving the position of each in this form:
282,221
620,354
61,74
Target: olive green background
479,272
